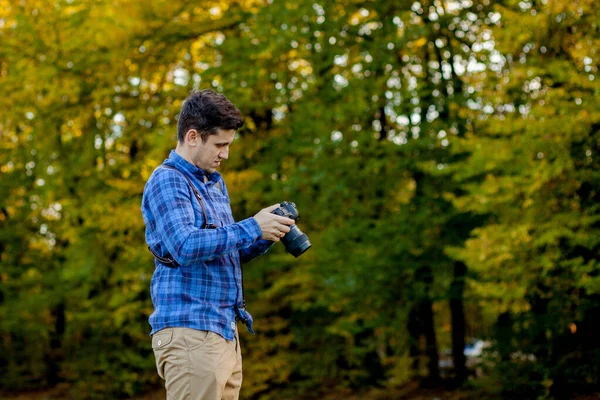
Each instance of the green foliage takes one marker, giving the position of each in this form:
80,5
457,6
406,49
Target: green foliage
534,167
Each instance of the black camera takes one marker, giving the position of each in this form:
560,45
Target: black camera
295,241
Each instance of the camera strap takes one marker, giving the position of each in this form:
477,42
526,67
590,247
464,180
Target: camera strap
170,262
206,225
241,312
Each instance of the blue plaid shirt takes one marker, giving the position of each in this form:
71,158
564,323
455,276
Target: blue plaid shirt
205,287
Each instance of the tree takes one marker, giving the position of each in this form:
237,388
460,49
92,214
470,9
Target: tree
533,168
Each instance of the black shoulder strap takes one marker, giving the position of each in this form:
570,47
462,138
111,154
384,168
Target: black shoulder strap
170,262
196,193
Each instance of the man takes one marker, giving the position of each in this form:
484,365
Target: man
197,287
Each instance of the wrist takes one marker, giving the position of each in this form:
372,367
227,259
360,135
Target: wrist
253,227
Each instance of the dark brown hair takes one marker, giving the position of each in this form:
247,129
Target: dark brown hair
206,111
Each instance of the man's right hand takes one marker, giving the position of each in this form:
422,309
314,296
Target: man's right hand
273,226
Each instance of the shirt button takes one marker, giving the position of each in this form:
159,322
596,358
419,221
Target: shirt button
232,325
159,343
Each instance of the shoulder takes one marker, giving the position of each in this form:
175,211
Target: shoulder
162,172
166,181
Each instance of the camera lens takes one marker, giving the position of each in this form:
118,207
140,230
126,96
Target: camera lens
296,242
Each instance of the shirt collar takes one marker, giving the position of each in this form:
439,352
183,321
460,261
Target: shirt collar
175,160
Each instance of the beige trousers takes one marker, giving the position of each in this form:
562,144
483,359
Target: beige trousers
198,365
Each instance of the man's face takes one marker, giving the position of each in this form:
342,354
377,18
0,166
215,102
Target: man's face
208,156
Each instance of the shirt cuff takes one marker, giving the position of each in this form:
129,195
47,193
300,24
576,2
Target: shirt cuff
252,228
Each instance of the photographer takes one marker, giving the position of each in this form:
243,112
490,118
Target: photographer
197,287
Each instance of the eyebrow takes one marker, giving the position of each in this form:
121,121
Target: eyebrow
225,142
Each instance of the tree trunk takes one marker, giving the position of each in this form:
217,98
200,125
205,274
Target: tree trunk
414,335
55,355
458,321
431,350
421,324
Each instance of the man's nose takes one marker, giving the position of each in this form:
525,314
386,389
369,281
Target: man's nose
224,154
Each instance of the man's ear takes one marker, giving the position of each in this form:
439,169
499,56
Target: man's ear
192,137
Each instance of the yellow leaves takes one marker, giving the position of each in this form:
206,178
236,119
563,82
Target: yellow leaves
555,7
242,180
404,193
528,203
72,128
6,13
132,66
147,168
420,43
591,284
501,295
303,66
32,274
216,12
357,17
74,8
494,249
116,226
401,370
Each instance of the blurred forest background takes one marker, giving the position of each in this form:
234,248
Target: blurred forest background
444,156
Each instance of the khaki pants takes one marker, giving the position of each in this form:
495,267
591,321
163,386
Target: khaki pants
198,365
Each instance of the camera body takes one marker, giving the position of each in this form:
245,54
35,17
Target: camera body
295,241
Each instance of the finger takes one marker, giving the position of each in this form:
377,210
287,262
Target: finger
284,220
272,235
272,208
279,234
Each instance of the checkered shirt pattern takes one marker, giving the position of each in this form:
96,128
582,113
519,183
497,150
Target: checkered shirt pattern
203,290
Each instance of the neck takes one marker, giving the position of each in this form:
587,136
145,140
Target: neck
184,153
